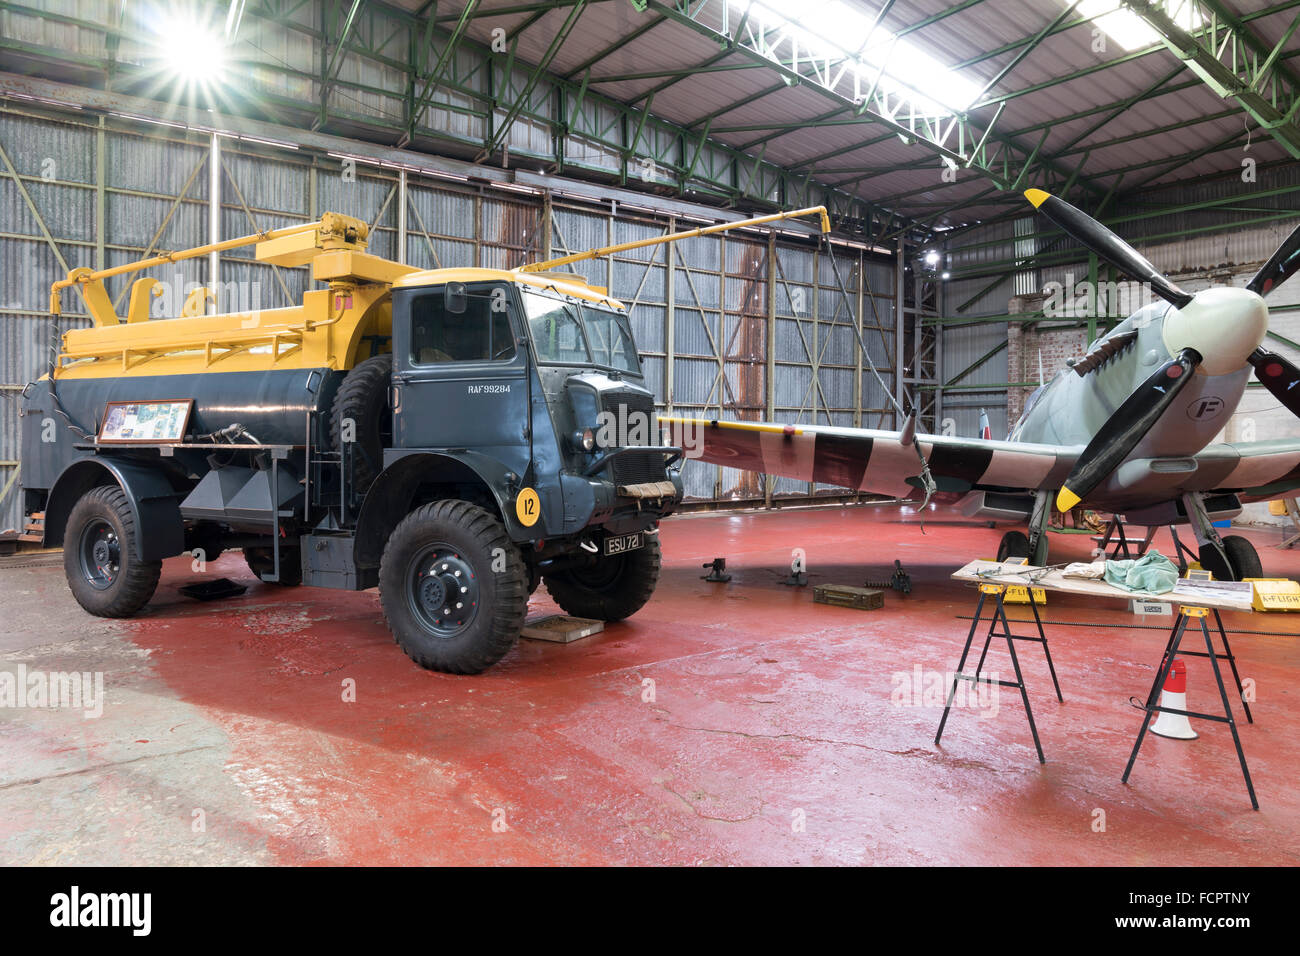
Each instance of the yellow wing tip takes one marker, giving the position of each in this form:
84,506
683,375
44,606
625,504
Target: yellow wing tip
1066,500
1037,196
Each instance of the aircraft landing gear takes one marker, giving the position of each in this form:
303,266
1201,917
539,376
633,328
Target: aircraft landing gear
1016,544
1242,560
1229,559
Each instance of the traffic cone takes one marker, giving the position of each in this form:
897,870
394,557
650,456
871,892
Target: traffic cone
1174,694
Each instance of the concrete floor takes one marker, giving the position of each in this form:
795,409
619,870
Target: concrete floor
774,733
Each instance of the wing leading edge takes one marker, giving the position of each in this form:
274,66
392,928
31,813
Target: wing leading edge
878,462
870,460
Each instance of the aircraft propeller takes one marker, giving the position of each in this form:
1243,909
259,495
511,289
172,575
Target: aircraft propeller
1216,330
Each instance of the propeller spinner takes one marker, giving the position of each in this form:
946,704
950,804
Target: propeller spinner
1215,330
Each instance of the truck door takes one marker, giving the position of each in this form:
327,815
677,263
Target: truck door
460,371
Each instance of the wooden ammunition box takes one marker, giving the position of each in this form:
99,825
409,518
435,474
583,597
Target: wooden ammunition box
844,595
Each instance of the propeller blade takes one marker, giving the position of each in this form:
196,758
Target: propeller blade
1280,267
1126,427
1279,376
1108,246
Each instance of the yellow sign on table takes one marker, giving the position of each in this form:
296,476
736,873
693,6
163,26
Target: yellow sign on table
1275,594
1018,593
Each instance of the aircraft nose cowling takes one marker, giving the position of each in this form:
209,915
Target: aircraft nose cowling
1224,325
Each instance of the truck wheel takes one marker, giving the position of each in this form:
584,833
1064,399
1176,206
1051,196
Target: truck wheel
613,588
454,587
205,538
262,561
99,555
363,398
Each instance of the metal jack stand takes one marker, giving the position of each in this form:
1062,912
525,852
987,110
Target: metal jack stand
1115,532
999,616
717,573
1153,705
1292,512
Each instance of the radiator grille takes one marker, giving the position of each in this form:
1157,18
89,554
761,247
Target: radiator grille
635,467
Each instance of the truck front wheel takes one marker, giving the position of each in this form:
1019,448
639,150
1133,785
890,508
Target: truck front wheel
454,587
615,587
100,556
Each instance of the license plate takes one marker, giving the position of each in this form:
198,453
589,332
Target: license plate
623,542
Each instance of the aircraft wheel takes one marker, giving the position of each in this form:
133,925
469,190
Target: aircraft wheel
1014,545
1243,560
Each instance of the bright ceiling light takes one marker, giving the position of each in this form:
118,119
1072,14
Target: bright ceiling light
192,49
833,30
931,258
1128,29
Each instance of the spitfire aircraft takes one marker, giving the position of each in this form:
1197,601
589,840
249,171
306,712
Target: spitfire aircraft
1127,429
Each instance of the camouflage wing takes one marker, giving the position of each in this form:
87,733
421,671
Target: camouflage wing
873,461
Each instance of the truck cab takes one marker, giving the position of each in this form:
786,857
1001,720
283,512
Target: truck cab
521,396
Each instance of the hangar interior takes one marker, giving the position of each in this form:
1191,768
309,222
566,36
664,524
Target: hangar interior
496,133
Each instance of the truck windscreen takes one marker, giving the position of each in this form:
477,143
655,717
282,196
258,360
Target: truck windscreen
611,339
569,333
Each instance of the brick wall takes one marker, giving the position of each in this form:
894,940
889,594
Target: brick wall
1026,344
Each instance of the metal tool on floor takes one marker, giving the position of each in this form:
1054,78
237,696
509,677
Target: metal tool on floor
1154,705
899,581
999,616
718,573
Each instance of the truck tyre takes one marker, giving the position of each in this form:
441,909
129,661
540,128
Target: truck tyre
454,587
100,557
205,538
613,588
363,398
262,561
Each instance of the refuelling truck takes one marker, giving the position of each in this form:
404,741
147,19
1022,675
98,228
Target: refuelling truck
453,437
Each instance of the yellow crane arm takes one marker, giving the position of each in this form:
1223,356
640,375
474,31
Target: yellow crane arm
702,231
330,231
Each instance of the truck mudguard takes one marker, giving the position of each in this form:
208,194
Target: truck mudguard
154,502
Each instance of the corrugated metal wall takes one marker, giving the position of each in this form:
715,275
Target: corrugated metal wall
705,326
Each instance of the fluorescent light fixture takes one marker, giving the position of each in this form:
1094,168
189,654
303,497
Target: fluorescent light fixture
1128,29
825,30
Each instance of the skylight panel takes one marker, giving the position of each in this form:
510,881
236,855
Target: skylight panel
1128,29
832,30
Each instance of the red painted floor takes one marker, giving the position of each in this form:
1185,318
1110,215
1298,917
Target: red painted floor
730,724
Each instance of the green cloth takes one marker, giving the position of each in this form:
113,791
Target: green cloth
1152,572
